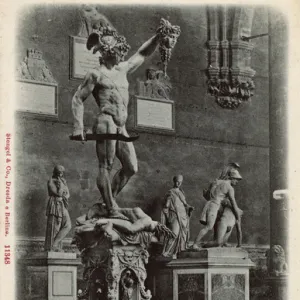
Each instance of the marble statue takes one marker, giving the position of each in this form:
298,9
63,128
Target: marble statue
58,218
109,86
221,194
137,229
224,175
277,265
224,225
176,215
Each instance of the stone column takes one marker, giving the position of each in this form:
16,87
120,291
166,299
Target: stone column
278,74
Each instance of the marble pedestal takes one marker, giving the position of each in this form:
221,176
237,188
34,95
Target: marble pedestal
210,274
278,287
51,276
115,272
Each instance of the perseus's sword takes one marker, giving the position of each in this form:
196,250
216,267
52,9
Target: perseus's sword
103,137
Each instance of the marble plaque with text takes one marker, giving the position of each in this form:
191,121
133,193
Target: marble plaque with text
154,114
36,98
81,58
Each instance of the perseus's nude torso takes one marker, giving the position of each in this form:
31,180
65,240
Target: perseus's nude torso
111,93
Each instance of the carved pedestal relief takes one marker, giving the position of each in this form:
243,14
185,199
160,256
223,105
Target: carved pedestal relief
230,73
116,273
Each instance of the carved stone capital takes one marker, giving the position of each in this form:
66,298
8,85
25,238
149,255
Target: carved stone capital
224,44
242,72
213,45
230,94
213,72
238,44
229,57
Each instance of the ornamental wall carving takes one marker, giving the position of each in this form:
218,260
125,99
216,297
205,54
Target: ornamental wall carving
230,76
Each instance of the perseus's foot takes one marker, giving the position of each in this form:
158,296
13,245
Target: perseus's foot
56,249
115,214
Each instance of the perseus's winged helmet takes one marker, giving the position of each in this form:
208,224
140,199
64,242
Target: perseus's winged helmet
107,41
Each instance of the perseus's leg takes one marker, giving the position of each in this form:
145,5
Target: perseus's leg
127,156
106,151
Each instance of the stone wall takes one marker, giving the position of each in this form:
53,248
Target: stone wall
207,136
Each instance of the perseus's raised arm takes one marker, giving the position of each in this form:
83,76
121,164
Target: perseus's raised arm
166,36
143,52
83,91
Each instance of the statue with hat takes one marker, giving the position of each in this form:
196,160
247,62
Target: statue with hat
58,218
221,212
176,215
109,85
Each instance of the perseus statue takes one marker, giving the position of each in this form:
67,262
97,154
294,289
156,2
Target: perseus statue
109,85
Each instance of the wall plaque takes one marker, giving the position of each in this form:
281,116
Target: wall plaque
154,114
36,89
36,98
81,58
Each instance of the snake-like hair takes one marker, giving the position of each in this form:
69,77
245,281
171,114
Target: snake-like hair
116,46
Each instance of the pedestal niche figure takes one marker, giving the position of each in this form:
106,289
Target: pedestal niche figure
217,211
176,215
58,218
109,85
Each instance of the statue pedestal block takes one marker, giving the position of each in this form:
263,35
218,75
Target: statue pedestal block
115,272
51,276
209,274
279,287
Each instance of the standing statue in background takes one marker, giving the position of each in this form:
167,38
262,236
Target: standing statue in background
58,218
109,85
176,215
221,204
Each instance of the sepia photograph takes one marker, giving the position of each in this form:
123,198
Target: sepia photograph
146,151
